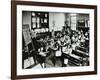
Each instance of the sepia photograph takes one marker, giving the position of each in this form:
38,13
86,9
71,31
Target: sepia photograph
55,39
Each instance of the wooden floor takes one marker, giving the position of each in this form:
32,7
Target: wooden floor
48,64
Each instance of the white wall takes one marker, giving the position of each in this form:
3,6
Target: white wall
5,40
58,23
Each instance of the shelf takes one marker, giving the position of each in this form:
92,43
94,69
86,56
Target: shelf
40,20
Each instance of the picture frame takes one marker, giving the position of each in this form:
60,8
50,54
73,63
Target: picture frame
19,6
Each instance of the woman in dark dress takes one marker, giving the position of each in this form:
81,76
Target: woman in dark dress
36,45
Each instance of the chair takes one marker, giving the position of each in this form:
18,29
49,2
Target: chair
41,58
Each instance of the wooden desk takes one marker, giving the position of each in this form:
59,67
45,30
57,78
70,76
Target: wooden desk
83,55
73,60
43,53
80,53
82,49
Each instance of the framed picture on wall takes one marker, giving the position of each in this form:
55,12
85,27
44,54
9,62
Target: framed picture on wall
52,39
